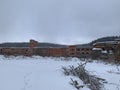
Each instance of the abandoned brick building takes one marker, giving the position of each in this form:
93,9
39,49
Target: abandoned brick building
81,51
34,49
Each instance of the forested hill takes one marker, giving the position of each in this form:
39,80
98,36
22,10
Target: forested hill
46,45
26,44
103,39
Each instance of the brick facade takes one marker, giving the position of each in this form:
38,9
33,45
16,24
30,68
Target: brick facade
15,51
82,51
72,51
33,43
57,52
33,49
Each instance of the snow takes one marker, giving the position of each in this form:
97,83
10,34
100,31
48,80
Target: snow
43,73
97,49
18,73
108,72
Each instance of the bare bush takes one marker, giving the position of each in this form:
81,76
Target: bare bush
93,82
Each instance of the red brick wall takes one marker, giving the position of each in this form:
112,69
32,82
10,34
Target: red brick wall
84,52
57,52
15,51
33,43
72,50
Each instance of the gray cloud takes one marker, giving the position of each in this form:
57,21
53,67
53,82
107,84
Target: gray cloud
59,21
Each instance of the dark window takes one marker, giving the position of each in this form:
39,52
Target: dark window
83,53
87,53
87,49
72,53
73,49
82,49
78,49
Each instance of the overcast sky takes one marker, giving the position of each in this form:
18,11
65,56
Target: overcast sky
58,21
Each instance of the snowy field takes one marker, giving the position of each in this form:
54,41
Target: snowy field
38,73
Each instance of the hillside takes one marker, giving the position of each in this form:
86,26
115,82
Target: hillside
103,39
46,45
26,44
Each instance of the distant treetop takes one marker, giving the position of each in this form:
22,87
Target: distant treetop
103,39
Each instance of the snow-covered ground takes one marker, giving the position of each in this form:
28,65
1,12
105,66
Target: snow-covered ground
38,73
